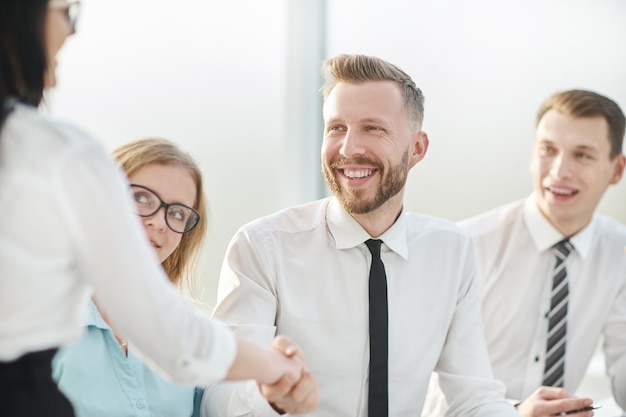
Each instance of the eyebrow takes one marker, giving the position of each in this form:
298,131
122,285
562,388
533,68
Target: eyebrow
577,147
373,120
587,148
173,202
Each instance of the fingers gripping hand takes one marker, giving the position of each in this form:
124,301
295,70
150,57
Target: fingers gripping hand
551,401
288,396
288,348
291,394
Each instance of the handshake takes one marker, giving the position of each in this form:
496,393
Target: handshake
283,377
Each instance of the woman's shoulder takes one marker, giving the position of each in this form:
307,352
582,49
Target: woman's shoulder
38,144
28,128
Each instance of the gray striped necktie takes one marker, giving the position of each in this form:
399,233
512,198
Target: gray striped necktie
557,327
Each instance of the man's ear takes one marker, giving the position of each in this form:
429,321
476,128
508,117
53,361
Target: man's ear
420,146
618,169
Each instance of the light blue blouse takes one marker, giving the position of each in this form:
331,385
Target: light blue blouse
101,381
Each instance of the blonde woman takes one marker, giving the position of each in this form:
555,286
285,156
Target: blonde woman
100,374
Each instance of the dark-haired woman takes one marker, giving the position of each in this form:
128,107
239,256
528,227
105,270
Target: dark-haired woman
67,230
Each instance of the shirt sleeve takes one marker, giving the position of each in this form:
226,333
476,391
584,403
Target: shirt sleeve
247,302
615,347
113,255
464,370
236,399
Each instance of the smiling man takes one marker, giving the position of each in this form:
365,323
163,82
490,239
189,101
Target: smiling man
552,272
376,297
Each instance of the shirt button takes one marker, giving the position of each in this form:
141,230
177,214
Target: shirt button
139,404
536,358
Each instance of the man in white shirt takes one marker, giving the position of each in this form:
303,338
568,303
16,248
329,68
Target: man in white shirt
303,272
577,155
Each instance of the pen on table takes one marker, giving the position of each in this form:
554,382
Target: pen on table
580,410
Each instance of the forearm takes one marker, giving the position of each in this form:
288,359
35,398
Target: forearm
264,365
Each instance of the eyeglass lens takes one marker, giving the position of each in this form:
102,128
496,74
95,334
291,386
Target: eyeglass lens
70,8
178,217
72,14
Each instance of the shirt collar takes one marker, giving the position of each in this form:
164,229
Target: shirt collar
93,317
544,235
348,233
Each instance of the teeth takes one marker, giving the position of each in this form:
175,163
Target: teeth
357,173
561,191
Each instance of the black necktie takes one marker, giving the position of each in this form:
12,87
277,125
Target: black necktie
378,398
557,327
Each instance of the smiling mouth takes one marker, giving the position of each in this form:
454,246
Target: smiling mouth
154,245
562,192
357,174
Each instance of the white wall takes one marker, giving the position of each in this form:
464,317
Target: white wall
207,75
484,67
235,83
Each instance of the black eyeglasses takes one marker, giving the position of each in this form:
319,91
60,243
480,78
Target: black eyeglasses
71,9
178,217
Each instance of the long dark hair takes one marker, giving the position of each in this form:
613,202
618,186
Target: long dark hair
22,52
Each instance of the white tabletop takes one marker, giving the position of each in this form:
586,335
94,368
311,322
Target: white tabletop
609,409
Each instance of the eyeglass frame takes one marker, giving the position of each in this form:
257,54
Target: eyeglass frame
72,9
165,205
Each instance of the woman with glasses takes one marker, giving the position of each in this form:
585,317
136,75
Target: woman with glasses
100,374
67,230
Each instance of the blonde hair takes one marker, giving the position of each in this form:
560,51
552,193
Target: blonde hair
181,264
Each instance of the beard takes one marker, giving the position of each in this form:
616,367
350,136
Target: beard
353,200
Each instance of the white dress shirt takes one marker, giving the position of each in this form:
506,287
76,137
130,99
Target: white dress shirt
303,272
67,227
515,266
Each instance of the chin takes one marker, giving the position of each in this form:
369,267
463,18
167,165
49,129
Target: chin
49,84
50,78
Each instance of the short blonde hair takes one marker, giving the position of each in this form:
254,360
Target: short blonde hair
357,69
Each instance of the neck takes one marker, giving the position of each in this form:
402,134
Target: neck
569,229
121,341
380,220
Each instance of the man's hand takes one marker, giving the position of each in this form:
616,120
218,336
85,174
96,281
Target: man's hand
289,395
551,401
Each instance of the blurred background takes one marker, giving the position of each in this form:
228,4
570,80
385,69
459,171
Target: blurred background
236,83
